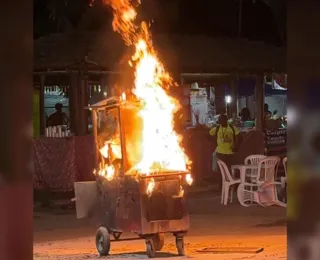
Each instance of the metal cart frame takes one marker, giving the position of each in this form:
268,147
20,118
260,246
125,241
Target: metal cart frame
115,193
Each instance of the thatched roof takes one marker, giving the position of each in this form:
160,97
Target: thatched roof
184,53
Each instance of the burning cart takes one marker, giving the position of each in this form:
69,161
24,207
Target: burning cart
147,205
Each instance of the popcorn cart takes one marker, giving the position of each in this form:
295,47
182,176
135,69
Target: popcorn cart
146,205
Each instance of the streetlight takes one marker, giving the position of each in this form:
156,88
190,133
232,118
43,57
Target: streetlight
228,100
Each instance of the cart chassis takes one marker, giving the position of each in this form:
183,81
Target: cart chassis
154,242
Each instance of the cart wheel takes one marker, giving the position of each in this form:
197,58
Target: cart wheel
151,252
158,241
180,246
103,241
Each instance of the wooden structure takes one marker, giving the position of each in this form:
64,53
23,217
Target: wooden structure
228,60
79,59
66,60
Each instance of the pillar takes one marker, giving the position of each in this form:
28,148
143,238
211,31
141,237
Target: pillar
73,100
80,106
104,84
234,94
42,105
85,103
259,96
95,133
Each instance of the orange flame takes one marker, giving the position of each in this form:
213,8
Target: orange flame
150,186
123,97
189,179
160,145
107,171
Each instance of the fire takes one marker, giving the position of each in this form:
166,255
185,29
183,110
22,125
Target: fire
189,179
107,171
150,187
111,149
161,150
123,97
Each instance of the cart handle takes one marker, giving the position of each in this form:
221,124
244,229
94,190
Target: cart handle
168,174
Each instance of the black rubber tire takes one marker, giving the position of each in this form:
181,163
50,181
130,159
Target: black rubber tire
180,246
103,241
150,250
158,241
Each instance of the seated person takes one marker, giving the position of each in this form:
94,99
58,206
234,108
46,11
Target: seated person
245,114
58,117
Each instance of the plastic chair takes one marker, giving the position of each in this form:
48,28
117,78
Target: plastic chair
284,162
227,182
267,167
264,194
254,159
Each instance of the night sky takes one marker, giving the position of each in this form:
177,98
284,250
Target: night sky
218,18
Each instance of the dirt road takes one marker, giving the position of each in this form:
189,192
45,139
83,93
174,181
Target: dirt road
60,236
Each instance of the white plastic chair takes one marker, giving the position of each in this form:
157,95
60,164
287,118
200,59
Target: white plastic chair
254,159
267,170
264,194
284,162
227,182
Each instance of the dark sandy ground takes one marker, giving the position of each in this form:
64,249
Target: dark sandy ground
60,236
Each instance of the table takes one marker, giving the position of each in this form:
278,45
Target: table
243,169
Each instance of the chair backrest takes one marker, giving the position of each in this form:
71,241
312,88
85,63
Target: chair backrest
225,173
267,194
254,159
268,166
284,162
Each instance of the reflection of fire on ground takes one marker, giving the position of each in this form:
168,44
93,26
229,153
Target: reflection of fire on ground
154,146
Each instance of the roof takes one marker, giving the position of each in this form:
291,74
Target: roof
179,52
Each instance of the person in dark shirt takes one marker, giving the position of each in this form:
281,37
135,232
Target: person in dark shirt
267,113
245,114
58,117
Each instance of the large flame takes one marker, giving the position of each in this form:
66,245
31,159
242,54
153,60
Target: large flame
160,145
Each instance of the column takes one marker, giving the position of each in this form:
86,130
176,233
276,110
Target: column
73,99
234,94
80,106
259,95
42,105
85,103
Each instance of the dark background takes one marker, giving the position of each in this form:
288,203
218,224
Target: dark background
303,66
262,20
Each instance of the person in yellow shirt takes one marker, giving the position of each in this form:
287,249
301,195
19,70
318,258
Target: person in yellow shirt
226,136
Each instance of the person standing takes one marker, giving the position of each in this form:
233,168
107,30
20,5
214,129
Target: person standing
226,137
267,112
